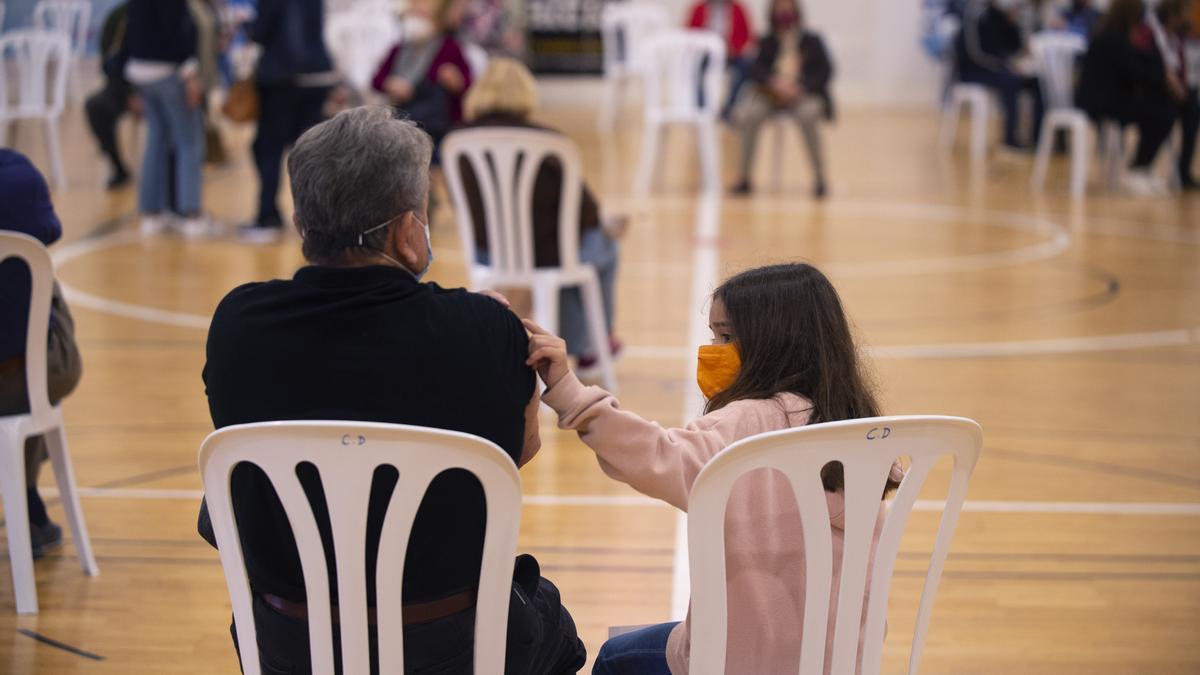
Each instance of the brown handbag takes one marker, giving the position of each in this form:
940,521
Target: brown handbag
241,104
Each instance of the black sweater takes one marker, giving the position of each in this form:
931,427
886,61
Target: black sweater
1120,78
160,30
816,71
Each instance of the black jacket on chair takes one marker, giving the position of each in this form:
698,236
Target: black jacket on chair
816,71
1120,79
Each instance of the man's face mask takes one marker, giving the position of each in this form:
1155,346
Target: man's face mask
428,246
717,366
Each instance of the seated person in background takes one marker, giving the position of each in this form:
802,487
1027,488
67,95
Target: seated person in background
782,356
357,336
27,209
105,107
727,18
1171,25
425,76
505,97
791,75
1124,80
991,51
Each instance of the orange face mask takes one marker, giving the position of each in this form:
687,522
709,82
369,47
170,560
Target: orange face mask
717,367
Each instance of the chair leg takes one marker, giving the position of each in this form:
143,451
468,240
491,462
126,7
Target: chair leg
545,305
55,155
611,106
1038,180
778,150
64,473
979,133
710,156
949,125
1081,159
16,516
593,308
651,138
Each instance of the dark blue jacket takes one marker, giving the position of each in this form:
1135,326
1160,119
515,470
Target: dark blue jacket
160,30
292,35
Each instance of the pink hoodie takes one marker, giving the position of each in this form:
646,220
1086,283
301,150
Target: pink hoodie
764,550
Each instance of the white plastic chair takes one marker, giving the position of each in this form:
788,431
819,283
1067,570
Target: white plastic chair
71,18
978,100
679,65
359,39
1055,54
346,455
505,163
866,448
624,28
40,61
43,419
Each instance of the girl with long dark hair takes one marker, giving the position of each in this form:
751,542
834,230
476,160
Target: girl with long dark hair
782,356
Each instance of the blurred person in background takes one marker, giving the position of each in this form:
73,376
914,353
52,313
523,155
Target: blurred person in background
496,25
28,210
425,77
1172,26
105,107
1125,80
506,97
208,50
1080,17
294,76
729,19
791,75
992,51
161,42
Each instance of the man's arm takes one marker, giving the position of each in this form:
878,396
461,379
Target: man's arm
533,435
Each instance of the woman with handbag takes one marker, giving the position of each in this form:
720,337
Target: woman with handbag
293,78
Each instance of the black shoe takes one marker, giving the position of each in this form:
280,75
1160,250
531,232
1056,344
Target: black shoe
820,191
1188,183
43,538
120,179
742,188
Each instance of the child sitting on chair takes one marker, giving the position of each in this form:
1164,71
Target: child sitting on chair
782,356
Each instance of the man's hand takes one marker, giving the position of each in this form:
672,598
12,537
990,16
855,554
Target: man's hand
547,353
398,89
192,91
450,77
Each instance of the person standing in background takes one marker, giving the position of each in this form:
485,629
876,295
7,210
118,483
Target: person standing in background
294,76
28,210
729,19
161,41
105,107
1170,23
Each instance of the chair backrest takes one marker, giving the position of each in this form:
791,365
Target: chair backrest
346,455
40,60
41,273
624,29
682,73
866,448
69,17
505,163
359,39
1055,54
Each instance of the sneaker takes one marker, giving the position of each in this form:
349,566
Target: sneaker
259,235
1139,183
154,224
43,538
199,227
821,190
742,188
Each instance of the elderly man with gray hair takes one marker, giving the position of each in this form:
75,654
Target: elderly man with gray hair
356,335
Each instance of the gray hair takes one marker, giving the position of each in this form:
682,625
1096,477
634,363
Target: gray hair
357,170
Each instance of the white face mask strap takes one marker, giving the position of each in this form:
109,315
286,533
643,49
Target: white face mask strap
377,227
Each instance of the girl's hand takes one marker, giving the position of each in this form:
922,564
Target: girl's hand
547,353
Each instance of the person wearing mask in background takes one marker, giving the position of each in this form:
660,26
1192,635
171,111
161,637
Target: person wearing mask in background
161,42
505,97
991,51
791,74
426,76
105,107
729,19
294,76
28,210
1125,80
1171,25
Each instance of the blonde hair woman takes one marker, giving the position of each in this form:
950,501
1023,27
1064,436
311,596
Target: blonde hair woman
506,96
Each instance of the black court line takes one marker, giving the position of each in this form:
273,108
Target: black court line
59,645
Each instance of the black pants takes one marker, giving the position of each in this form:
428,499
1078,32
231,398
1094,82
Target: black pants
287,111
1010,86
1189,120
542,639
1154,121
104,109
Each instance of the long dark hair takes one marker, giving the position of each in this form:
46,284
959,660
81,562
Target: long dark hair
1122,16
793,337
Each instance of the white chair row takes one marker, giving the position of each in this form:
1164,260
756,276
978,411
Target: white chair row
866,449
44,419
33,86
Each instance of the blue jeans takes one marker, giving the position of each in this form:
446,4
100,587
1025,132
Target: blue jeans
597,249
642,652
171,128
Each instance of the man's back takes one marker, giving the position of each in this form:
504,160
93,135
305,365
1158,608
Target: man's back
369,344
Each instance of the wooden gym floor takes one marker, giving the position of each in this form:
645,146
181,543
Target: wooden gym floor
1070,331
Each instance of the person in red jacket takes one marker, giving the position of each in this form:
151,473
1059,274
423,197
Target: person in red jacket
728,18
